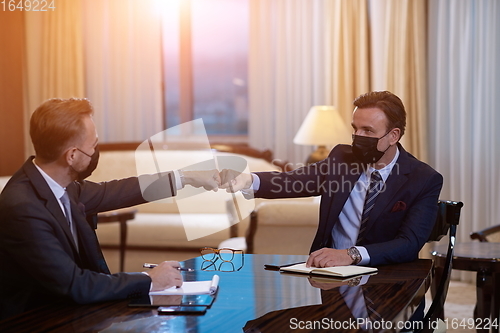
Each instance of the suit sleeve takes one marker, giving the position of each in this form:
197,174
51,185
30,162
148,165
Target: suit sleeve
116,194
306,181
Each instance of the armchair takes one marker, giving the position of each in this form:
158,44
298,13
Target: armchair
446,224
278,226
283,227
490,234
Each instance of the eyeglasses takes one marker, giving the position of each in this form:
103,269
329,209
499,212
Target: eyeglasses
223,266
211,254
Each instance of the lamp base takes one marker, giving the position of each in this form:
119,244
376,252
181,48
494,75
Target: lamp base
318,155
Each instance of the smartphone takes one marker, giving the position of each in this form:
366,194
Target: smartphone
182,310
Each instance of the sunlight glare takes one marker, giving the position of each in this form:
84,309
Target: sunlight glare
166,8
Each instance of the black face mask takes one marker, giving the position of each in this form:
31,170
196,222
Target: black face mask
365,148
94,159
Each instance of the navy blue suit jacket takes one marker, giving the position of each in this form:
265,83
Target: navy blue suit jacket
39,261
402,218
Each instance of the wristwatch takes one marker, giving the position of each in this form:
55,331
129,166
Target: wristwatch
353,252
353,282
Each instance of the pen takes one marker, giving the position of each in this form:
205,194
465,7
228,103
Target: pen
278,267
182,269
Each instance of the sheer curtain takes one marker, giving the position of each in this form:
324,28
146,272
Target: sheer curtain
54,63
123,67
464,85
107,51
399,63
303,53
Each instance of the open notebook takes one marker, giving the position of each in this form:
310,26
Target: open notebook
337,271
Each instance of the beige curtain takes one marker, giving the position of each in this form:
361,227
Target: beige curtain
303,53
54,61
123,67
348,49
398,64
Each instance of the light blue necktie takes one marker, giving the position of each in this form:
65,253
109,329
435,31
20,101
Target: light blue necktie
376,184
67,210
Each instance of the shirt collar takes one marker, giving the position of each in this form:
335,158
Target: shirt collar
385,171
57,189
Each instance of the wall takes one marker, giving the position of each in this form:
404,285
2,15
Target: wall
11,91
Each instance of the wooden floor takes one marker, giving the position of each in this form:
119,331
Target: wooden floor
459,305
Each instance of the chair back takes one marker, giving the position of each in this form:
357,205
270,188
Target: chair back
448,215
446,223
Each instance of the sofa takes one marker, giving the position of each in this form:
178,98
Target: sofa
204,219
3,181
285,226
186,222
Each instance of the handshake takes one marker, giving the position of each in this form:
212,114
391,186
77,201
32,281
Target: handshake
213,180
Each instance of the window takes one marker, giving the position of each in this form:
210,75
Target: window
205,55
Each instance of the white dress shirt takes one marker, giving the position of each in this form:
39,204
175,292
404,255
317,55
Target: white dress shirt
345,233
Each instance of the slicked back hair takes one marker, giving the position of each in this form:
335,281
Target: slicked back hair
390,104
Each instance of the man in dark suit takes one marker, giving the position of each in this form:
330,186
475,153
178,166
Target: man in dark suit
48,250
378,202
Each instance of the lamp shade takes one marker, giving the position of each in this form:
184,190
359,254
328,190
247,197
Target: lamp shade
322,126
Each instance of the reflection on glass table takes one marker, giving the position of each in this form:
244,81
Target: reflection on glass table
222,260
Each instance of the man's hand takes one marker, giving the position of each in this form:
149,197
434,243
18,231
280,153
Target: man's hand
209,179
327,257
165,275
234,181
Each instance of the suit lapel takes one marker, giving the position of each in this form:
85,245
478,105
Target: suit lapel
90,250
90,254
397,178
51,202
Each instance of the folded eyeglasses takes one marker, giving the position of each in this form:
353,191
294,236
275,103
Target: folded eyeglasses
226,255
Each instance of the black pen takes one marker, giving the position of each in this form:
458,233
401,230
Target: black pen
182,269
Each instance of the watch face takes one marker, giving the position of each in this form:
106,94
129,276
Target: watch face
354,254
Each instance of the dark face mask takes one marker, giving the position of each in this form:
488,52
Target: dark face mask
365,148
94,159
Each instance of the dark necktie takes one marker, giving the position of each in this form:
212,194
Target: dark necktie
374,188
67,210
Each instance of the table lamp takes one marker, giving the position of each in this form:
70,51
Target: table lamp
322,126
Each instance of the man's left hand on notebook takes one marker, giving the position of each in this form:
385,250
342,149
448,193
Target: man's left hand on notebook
328,257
